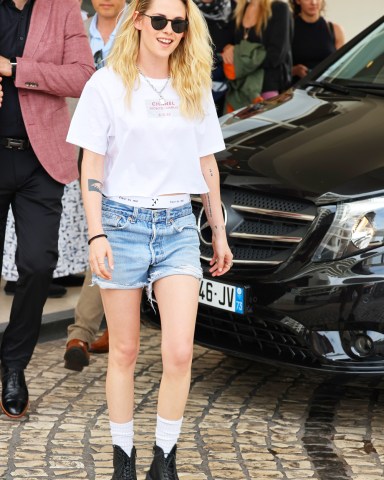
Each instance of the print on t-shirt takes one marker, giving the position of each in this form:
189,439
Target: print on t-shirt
155,109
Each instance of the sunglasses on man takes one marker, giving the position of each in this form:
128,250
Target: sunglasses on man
158,23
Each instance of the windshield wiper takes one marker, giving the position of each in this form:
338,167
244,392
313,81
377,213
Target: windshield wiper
328,86
365,85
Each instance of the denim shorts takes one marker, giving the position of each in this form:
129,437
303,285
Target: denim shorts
149,244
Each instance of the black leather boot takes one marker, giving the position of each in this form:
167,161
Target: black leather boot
163,468
124,467
14,395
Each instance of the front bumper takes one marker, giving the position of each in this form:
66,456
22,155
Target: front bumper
326,317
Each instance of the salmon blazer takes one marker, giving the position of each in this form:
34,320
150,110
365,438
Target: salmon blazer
56,63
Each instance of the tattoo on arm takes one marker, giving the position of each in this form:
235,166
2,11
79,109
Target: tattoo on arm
208,206
219,227
94,185
211,173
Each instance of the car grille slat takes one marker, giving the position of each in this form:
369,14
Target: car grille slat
273,213
243,256
271,203
267,231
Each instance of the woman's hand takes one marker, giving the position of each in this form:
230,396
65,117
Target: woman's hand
228,54
221,261
299,70
101,258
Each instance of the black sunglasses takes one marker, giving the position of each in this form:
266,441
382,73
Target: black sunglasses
158,23
98,59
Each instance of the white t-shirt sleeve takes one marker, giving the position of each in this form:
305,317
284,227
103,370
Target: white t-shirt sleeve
208,131
91,121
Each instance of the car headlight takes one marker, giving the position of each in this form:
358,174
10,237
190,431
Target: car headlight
356,226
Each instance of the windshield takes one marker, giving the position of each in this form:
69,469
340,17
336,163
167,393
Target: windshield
364,63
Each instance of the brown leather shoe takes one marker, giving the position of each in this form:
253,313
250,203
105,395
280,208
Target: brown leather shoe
101,345
76,355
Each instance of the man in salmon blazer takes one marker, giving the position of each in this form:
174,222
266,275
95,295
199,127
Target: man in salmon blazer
44,57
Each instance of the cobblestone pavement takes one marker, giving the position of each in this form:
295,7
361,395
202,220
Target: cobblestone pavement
243,421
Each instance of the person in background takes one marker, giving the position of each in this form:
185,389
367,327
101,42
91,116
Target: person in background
73,251
149,129
103,26
102,29
314,37
218,15
84,14
73,248
44,57
264,60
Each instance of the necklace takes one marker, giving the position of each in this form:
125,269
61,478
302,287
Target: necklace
159,92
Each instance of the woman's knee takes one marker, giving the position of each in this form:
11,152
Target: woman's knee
177,358
123,354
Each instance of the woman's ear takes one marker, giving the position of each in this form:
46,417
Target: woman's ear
137,20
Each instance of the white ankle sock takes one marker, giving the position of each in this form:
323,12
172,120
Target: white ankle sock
122,435
167,433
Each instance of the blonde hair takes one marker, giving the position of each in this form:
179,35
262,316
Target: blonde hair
190,65
264,14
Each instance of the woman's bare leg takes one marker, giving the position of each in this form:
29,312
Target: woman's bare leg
177,298
122,311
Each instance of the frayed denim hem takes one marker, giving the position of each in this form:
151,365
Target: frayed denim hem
189,270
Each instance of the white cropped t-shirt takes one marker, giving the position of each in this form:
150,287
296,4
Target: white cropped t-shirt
150,148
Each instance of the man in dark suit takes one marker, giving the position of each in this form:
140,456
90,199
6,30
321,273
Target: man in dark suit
44,57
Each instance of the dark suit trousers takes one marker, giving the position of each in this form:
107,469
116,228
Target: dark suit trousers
35,198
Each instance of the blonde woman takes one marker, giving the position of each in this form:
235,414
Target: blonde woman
149,129
267,23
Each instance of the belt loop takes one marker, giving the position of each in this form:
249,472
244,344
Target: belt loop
134,214
169,216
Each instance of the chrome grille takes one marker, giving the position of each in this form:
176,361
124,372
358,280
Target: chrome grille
262,229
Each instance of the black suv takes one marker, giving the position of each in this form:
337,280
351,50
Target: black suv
302,183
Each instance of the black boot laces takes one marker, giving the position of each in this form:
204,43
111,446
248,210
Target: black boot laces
129,469
170,472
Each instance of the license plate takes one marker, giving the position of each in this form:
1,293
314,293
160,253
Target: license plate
222,295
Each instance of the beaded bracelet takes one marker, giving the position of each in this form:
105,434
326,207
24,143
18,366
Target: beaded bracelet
97,236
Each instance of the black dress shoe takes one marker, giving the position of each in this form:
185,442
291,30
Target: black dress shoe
163,468
14,396
124,467
55,291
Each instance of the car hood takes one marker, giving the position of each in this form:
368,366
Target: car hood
325,147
